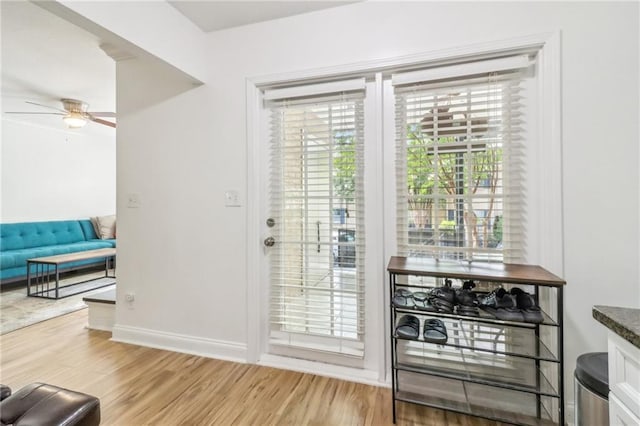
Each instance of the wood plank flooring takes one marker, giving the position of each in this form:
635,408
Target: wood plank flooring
143,386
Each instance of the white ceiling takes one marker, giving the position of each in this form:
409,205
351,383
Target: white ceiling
46,58
218,15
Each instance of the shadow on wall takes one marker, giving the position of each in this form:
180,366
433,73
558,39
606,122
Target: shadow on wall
149,81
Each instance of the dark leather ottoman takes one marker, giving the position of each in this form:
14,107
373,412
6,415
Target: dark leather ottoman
5,391
46,405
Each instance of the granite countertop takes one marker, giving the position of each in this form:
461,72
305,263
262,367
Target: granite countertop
623,321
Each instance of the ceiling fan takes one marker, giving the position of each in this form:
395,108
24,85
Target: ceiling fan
74,114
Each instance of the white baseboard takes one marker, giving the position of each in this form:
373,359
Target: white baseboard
367,377
231,351
209,348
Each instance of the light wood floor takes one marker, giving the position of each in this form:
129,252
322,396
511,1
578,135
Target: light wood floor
143,386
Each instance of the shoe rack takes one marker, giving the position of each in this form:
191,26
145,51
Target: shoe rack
509,371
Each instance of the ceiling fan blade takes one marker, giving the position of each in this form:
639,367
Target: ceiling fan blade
34,113
46,106
102,114
101,121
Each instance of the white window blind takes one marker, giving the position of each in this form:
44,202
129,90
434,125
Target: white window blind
316,184
459,167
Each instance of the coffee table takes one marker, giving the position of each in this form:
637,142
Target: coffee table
47,274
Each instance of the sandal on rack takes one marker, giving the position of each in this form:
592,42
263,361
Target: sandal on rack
422,302
403,299
435,331
408,327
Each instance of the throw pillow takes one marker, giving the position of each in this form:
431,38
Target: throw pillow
107,227
96,226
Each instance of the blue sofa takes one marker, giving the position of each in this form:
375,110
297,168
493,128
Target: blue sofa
22,241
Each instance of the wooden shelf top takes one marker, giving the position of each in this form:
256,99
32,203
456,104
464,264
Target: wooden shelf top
507,273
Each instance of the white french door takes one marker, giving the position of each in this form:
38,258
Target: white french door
316,278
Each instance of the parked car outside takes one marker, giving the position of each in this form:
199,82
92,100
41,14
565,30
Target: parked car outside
344,255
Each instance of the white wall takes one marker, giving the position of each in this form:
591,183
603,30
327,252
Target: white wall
185,253
600,67
49,173
181,252
168,35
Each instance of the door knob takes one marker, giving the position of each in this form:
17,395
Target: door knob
269,241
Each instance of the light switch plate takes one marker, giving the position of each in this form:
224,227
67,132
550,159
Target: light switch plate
232,198
133,201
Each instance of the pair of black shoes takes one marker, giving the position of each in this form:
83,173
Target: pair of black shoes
516,305
434,329
463,300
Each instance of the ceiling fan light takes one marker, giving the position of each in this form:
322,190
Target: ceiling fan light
74,120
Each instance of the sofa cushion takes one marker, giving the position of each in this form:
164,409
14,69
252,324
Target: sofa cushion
18,272
106,243
88,229
96,225
7,260
19,257
16,236
106,227
81,246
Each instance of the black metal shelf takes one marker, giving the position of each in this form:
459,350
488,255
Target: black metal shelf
544,354
477,356
475,410
484,317
544,388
